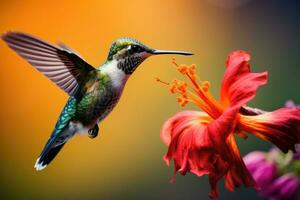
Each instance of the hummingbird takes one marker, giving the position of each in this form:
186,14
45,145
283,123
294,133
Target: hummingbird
93,92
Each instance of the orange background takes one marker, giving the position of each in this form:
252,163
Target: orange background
125,160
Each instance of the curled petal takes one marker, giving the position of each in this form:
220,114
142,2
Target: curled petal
239,85
181,133
280,127
182,120
236,58
201,146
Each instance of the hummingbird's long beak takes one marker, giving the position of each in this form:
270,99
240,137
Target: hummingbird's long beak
157,52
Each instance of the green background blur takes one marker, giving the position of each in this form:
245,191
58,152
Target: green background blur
125,161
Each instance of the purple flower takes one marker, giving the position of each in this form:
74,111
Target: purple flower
274,175
296,155
285,187
274,171
291,104
263,171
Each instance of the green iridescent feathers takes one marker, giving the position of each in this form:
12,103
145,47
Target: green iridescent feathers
120,44
66,115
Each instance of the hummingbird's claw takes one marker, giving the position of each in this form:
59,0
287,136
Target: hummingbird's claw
93,132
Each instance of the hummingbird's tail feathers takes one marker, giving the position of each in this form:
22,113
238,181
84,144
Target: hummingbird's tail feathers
60,135
47,156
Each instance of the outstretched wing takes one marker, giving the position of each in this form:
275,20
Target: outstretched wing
60,64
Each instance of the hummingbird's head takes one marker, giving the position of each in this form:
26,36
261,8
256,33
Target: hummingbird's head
130,53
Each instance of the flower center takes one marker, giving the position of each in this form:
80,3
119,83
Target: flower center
196,91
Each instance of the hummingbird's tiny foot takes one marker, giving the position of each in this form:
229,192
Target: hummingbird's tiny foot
93,132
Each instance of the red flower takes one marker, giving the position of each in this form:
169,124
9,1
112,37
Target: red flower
202,142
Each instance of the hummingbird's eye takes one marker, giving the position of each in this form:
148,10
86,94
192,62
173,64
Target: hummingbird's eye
134,48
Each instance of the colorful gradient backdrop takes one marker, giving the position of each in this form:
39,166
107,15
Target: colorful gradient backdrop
125,161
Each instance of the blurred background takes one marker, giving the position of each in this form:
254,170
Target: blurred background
125,160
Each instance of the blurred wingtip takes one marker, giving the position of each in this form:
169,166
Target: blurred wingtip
8,34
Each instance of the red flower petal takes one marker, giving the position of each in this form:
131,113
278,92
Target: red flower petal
181,133
239,84
280,127
221,168
238,174
200,146
180,121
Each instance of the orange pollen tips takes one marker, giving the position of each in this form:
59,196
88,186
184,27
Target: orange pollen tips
190,71
182,100
205,86
180,87
196,91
